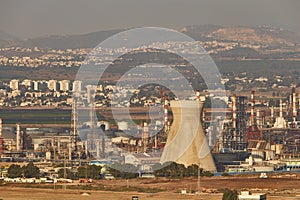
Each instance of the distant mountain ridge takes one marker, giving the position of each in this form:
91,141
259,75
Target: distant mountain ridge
7,40
264,35
88,40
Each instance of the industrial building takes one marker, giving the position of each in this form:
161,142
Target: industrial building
255,136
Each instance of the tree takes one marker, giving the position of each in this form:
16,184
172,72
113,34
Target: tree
69,174
175,170
31,171
230,195
125,171
90,171
14,171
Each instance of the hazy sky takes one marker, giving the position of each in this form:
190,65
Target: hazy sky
31,18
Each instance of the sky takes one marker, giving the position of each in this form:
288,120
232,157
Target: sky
34,18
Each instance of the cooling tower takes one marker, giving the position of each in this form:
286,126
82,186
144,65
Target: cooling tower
186,142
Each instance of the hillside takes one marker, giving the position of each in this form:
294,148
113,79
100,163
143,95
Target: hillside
88,40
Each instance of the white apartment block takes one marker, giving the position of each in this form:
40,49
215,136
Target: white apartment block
36,85
52,85
27,82
14,84
64,85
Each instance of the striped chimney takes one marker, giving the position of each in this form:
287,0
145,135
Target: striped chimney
234,111
299,98
145,130
166,119
18,137
272,114
280,109
0,127
252,108
294,104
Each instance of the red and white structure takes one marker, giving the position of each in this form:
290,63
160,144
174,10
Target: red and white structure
1,139
18,137
252,109
234,111
166,117
0,127
294,109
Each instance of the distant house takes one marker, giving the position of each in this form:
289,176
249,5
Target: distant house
246,195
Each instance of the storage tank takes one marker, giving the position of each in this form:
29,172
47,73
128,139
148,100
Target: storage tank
104,125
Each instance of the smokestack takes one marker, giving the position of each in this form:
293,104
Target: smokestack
234,111
1,139
198,95
258,118
166,119
299,98
145,131
155,142
145,135
70,147
272,115
280,109
18,137
294,110
0,127
252,108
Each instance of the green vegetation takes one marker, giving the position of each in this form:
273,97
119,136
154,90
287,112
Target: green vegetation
69,174
174,170
125,171
230,194
28,171
47,73
14,171
36,116
90,171
225,174
258,66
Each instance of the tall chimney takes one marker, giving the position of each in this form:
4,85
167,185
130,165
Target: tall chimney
280,109
258,121
1,139
0,127
234,111
299,98
166,119
294,110
252,109
145,135
272,115
18,137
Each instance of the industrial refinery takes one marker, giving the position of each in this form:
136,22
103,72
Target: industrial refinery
250,136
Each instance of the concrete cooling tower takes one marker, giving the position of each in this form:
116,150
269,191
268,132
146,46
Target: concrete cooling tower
186,142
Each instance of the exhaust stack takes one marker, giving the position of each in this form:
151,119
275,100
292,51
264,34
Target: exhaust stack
252,109
166,119
234,111
294,110
18,137
0,127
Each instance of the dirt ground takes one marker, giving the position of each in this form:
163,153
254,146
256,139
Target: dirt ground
276,188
